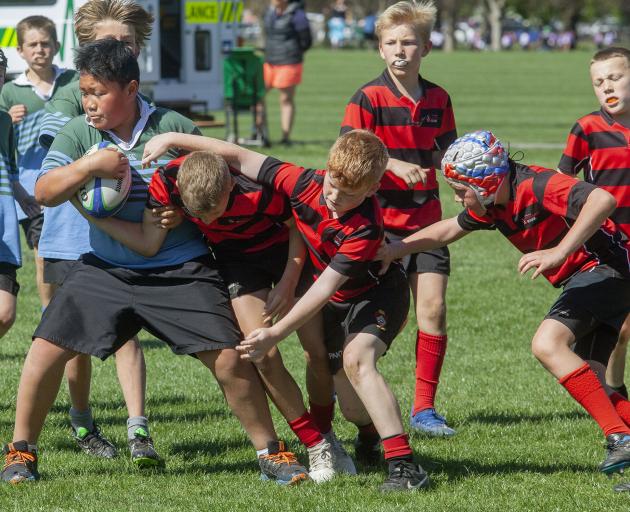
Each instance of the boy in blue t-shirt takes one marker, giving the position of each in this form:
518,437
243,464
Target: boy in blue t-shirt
10,255
175,295
65,236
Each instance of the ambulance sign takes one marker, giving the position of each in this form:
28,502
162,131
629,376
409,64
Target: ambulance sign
213,12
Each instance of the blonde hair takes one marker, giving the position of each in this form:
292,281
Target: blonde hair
203,181
357,159
609,53
124,11
37,22
420,15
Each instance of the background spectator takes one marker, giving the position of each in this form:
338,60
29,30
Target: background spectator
287,37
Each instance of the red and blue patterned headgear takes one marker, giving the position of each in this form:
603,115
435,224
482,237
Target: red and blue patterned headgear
479,161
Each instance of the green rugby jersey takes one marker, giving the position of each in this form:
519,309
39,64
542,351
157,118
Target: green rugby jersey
65,105
65,232
30,154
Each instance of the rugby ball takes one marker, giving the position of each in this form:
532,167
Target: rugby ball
102,197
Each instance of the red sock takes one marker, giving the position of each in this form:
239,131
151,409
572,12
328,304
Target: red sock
322,416
584,386
430,350
306,430
397,447
622,406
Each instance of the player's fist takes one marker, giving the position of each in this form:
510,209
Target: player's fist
107,163
17,113
412,174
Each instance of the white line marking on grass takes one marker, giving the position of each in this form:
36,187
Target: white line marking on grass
537,145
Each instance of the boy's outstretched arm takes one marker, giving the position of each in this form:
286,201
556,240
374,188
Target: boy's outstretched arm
144,238
281,297
434,236
598,206
260,341
247,161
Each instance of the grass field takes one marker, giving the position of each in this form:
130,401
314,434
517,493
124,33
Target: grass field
522,443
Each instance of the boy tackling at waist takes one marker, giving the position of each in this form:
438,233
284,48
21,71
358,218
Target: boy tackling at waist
360,313
562,226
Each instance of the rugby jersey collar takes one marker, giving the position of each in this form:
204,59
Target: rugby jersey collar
23,81
145,112
389,83
611,121
607,117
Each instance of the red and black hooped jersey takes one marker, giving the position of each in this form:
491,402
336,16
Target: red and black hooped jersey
347,244
411,132
253,220
542,207
600,147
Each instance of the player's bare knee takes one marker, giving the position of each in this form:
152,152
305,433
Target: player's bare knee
543,348
7,318
432,312
228,365
5,324
356,369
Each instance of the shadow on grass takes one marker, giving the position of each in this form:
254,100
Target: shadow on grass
461,469
20,356
112,418
502,418
115,404
116,469
189,417
208,448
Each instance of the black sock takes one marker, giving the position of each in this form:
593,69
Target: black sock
622,390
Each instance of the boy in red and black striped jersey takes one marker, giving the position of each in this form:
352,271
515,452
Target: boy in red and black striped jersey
414,119
244,224
563,227
599,146
357,312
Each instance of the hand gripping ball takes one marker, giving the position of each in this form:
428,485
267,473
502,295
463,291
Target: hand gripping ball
103,197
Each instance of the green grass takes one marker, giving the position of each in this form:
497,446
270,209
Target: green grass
522,443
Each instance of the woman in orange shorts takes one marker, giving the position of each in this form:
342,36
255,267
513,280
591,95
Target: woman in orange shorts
288,36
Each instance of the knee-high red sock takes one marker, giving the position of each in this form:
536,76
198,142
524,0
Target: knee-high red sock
306,430
397,447
430,351
584,386
323,415
622,406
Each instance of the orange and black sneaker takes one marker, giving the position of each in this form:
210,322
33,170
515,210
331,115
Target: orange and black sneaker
281,465
20,464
